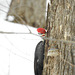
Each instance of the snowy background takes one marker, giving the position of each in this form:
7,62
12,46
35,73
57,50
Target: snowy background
16,50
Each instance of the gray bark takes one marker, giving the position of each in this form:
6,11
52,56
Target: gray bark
62,20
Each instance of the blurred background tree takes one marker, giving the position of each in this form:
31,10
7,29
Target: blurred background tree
30,11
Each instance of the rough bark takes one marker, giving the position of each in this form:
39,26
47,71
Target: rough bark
30,11
62,20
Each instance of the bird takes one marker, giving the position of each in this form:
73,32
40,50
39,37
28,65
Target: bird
39,53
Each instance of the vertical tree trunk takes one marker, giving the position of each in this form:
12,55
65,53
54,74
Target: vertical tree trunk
61,17
30,11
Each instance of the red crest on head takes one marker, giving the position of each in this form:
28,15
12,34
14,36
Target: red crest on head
41,30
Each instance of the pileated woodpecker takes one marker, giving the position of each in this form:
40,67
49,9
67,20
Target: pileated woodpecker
39,54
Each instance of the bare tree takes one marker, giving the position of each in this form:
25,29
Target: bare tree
60,26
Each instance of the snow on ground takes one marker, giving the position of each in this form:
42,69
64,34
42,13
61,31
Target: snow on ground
17,50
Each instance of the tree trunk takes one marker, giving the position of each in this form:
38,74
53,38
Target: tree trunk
61,16
29,11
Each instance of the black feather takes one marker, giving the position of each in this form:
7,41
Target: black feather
39,57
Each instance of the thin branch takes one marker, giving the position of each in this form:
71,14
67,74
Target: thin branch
9,65
4,5
59,40
16,16
20,6
3,10
21,20
2,32
15,46
16,53
7,3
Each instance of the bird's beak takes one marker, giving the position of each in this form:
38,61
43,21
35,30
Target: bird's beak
43,34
